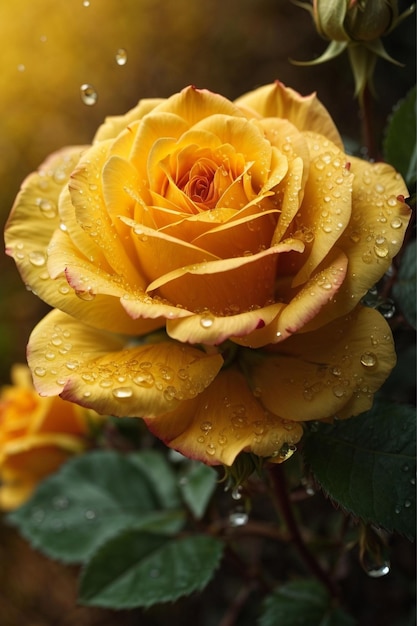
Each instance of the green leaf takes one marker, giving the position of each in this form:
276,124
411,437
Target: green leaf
88,501
367,464
302,603
161,476
400,148
197,483
404,290
139,569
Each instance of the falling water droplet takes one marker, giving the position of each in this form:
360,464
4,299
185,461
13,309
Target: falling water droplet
88,93
121,56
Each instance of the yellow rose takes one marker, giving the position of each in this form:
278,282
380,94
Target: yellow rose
243,234
36,436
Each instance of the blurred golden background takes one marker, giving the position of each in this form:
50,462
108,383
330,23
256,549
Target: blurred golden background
49,49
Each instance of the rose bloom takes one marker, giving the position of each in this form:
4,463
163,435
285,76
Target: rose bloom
206,260
36,436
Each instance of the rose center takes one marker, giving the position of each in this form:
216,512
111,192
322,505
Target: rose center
199,183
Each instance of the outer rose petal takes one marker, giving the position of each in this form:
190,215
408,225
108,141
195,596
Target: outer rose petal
373,236
223,421
34,218
305,112
316,375
305,305
97,370
114,125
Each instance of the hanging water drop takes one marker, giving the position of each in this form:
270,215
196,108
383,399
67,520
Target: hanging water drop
88,94
377,571
206,320
238,518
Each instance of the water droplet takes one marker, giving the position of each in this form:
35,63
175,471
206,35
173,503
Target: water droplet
396,223
39,371
72,365
367,257
38,259
237,493
21,67
90,515
60,503
286,451
238,518
86,295
381,251
47,208
170,393
88,93
369,359
206,427
338,391
121,56
37,515
122,393
407,504
144,379
206,320
86,3
211,449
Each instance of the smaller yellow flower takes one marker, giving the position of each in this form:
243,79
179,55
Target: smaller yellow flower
355,25
37,435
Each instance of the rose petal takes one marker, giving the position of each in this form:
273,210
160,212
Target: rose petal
160,254
315,376
327,204
194,104
250,234
223,421
305,112
93,216
97,370
226,286
115,124
302,306
208,329
34,218
88,292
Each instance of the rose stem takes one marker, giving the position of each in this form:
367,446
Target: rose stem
232,614
368,135
281,492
